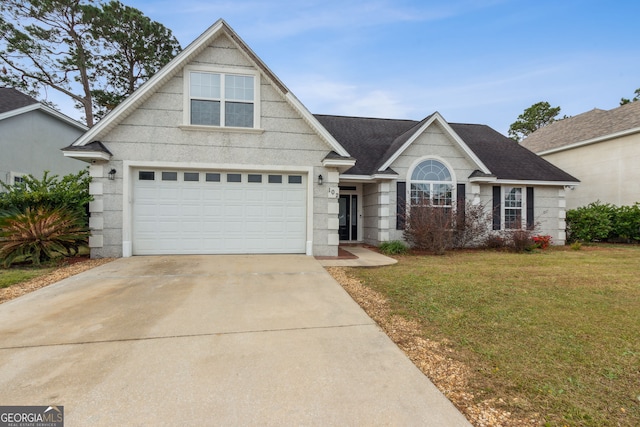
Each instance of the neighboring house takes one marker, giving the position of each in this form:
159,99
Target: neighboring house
214,155
601,148
31,137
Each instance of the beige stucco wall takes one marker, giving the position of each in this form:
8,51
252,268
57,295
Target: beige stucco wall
156,132
608,171
549,206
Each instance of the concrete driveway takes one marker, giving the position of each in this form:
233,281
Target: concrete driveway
209,340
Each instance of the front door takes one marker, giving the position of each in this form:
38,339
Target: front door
348,217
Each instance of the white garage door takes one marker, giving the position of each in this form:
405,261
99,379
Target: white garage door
211,212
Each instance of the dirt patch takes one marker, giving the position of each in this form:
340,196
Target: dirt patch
75,266
433,358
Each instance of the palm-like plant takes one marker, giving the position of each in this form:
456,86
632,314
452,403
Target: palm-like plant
39,234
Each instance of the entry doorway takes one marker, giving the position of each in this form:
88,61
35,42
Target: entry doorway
348,217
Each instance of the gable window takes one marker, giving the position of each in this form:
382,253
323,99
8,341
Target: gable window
431,183
221,99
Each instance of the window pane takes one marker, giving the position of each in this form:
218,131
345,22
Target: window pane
238,114
169,176
513,219
255,178
205,85
205,112
431,170
191,176
146,176
295,179
275,179
442,194
513,197
238,88
420,193
213,177
234,177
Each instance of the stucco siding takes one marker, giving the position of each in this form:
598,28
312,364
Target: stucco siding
608,171
155,133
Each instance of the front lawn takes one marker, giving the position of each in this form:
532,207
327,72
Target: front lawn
15,275
554,333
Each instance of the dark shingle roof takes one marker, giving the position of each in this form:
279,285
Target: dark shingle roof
92,146
12,99
583,127
505,158
366,139
374,141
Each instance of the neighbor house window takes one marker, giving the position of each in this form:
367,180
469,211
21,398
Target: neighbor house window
221,99
431,183
512,208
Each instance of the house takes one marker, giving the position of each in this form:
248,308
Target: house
31,137
601,148
214,155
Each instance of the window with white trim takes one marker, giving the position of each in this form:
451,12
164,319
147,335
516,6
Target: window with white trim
431,183
513,208
221,99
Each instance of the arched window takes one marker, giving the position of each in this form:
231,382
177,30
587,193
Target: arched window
431,183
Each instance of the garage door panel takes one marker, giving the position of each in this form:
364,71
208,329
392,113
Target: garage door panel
217,216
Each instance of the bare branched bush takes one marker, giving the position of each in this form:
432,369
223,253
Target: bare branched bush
440,228
430,228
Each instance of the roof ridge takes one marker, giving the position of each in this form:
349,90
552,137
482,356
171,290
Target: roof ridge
365,118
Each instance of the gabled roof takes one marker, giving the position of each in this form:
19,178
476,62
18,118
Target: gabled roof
13,103
376,142
505,158
12,99
367,139
592,126
179,62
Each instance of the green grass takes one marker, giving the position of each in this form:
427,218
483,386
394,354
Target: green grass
15,275
554,332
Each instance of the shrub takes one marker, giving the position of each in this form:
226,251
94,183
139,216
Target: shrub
474,228
395,247
39,234
70,193
591,222
626,223
521,240
541,242
438,228
597,221
430,228
576,246
495,241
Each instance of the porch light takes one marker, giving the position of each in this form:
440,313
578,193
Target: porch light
320,179
112,174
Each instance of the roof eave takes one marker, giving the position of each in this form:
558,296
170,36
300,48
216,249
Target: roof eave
342,164
537,182
590,141
87,156
47,110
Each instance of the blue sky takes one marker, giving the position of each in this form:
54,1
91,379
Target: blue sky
480,61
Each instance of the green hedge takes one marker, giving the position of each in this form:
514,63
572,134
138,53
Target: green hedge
71,193
604,222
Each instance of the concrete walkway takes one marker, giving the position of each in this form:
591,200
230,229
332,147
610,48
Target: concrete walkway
209,340
364,258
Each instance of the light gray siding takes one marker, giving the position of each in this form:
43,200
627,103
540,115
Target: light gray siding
30,143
